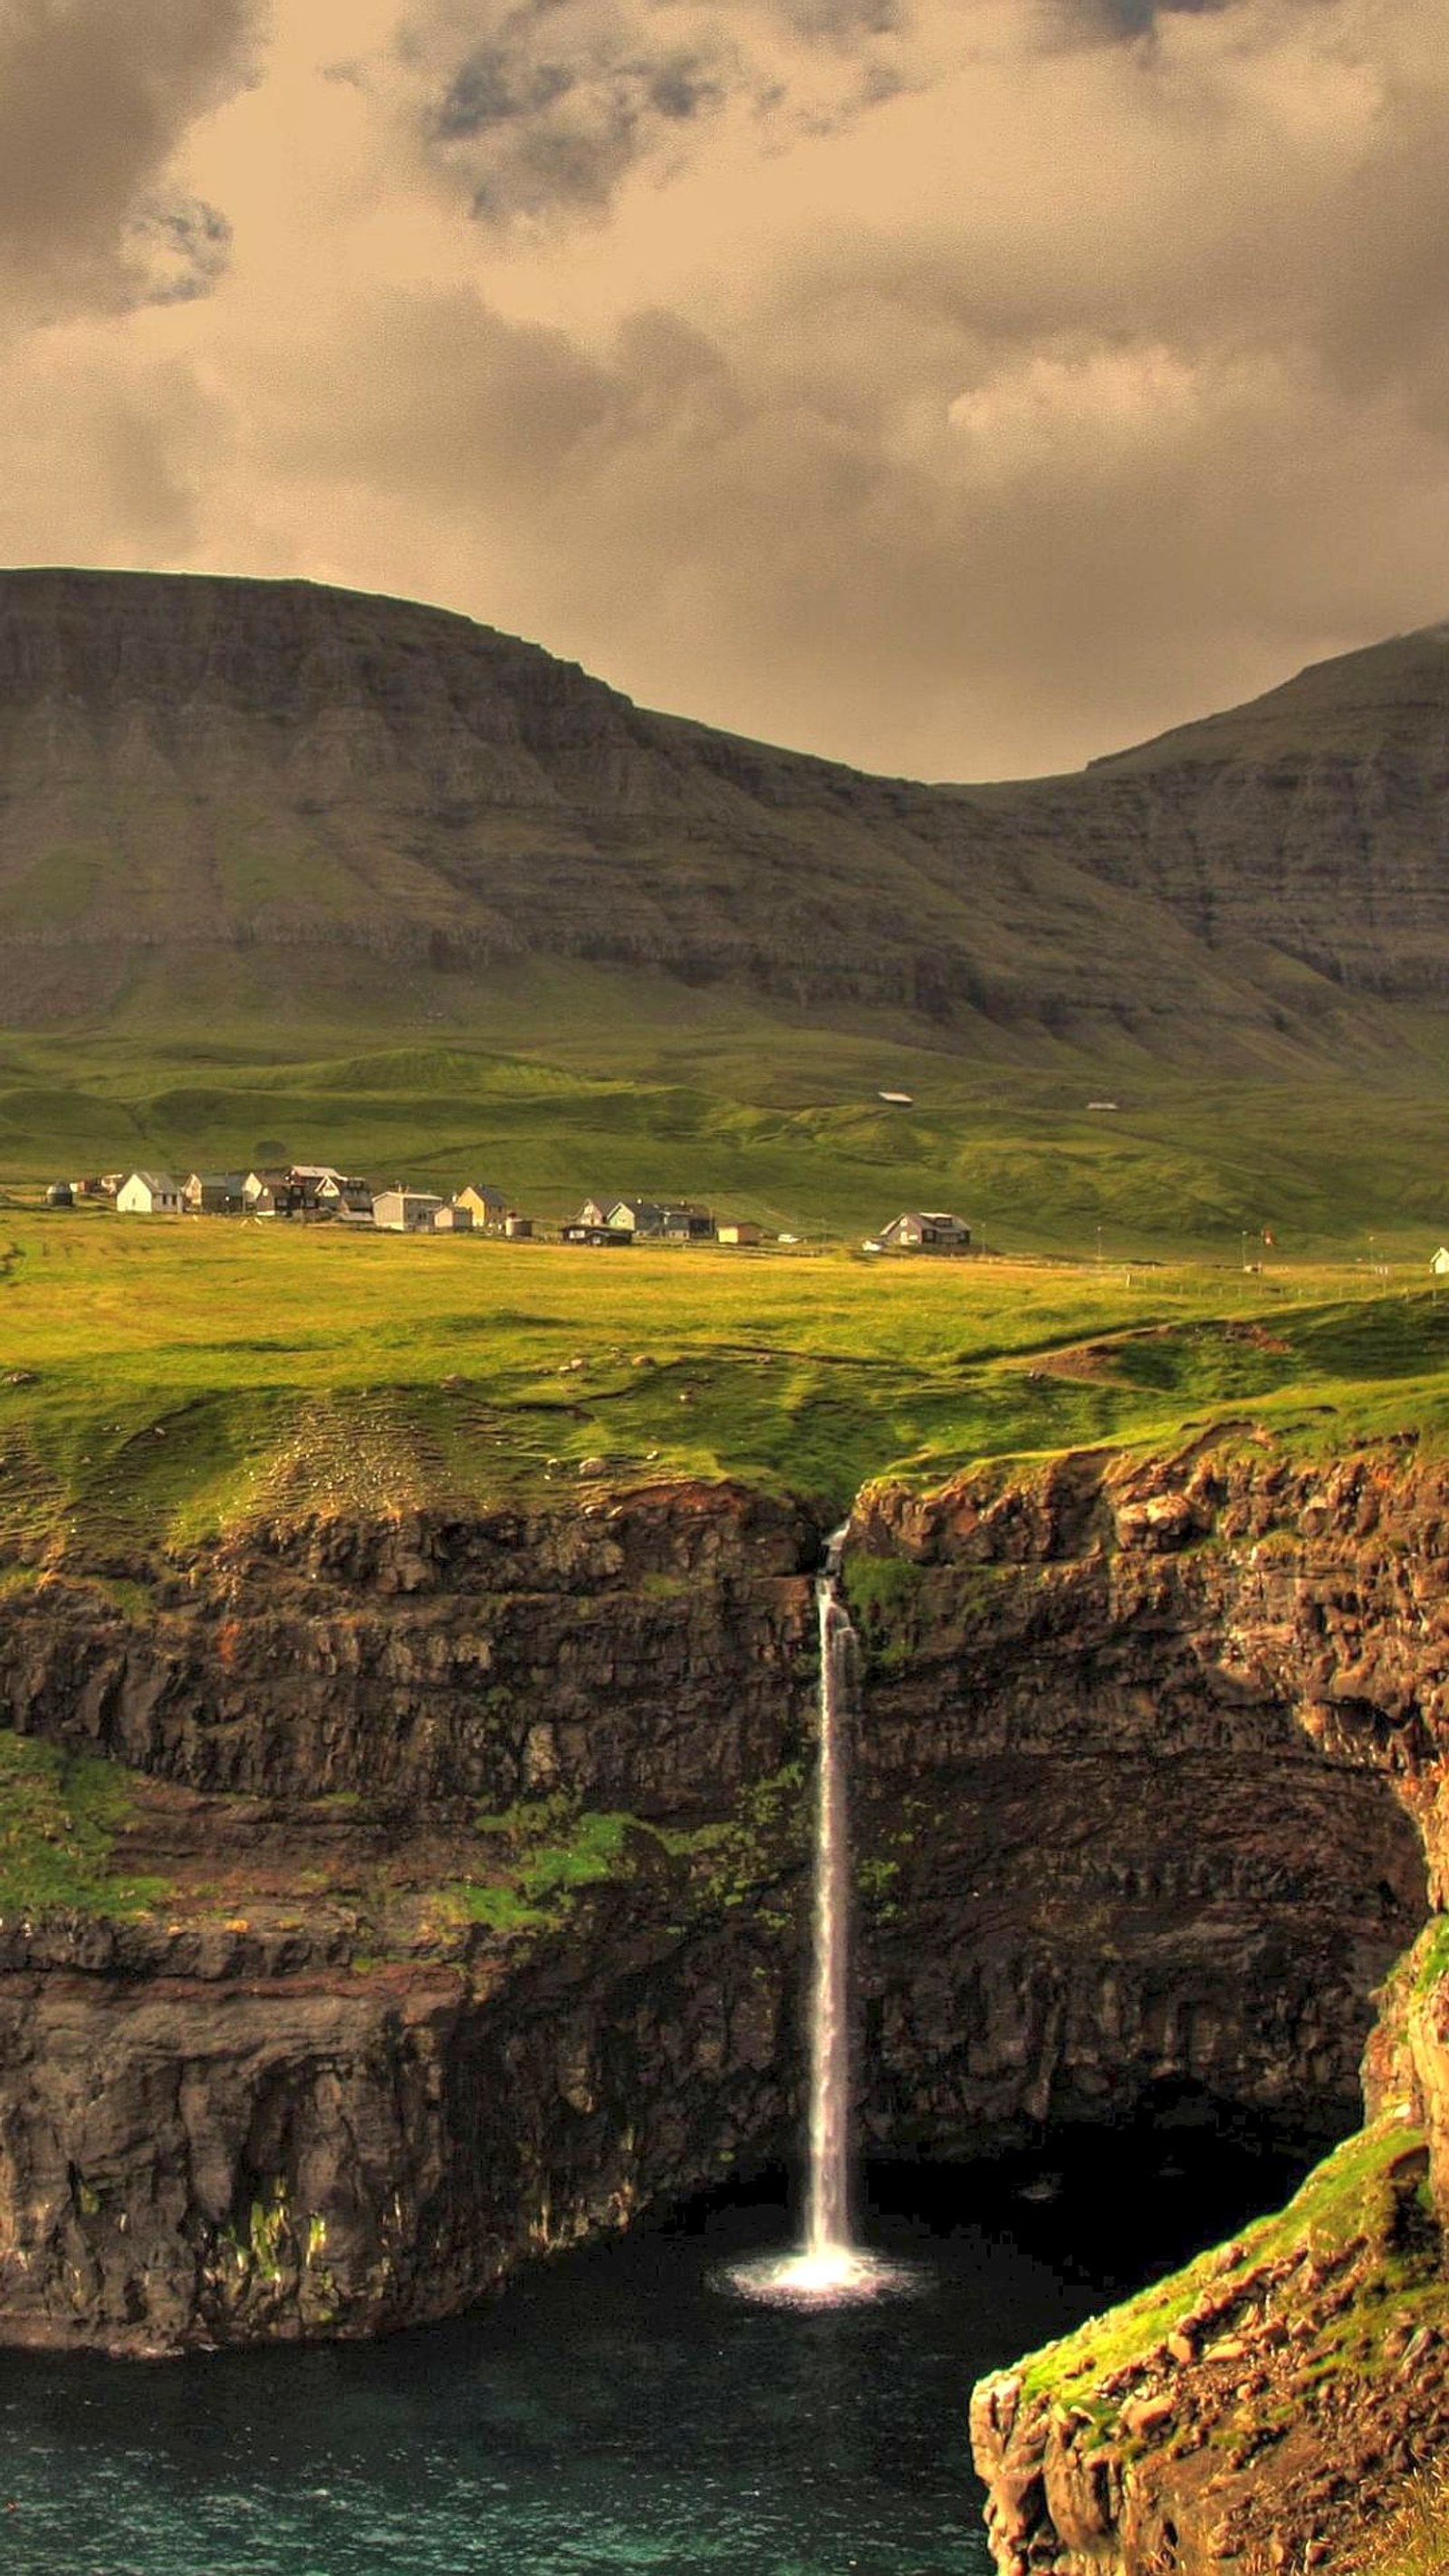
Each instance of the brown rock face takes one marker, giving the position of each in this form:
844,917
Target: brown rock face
1111,1854
1157,1715
636,1657
1301,1611
186,2160
315,2118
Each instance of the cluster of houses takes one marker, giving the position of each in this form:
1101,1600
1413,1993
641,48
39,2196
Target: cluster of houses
318,1192
609,1220
309,1191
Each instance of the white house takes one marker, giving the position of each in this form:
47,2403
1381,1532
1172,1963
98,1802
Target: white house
405,1211
1440,1263
149,1194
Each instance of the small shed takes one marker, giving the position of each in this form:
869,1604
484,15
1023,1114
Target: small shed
455,1220
1440,1263
739,1230
148,1194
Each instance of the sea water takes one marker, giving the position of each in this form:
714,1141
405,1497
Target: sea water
615,2410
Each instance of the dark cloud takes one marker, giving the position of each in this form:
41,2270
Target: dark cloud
559,101
545,108
176,252
842,22
95,97
1138,17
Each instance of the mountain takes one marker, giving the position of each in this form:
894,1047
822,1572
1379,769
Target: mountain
200,776
293,824
1313,823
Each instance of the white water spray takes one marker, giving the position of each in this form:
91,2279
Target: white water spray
830,2266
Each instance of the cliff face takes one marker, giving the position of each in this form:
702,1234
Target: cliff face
267,2153
471,1862
312,2089
639,1655
1296,1622
1157,1722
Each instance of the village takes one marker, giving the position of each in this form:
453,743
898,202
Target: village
318,1193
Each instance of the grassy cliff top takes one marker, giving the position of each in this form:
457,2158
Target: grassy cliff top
162,1379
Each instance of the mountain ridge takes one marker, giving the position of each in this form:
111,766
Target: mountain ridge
192,761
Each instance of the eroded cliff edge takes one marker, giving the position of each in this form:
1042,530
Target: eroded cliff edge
462,1861
1291,1624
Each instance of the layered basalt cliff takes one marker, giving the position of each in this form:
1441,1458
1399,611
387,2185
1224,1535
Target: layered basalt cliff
637,1653
341,2073
1296,1621
465,1863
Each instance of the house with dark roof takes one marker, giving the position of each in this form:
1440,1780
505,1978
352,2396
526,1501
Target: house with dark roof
343,1196
487,1207
661,1220
925,1230
580,1230
149,1194
213,1193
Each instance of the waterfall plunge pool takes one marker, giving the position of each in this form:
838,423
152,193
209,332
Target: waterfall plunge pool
615,2411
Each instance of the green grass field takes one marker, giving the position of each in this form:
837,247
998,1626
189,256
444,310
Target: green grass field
620,1080
160,1379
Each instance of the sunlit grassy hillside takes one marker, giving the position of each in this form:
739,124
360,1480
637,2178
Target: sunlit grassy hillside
159,1379
772,1119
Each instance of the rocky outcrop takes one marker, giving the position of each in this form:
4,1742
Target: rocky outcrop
198,2159
1227,1596
1266,2408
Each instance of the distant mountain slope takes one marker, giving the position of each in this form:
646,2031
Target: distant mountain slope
1313,822
270,800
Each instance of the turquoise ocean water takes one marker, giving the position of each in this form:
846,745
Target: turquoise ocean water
615,2411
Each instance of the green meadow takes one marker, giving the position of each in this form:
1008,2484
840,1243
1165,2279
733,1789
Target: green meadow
567,1079
161,1379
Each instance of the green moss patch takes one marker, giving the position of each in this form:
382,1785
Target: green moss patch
60,1814
1352,2199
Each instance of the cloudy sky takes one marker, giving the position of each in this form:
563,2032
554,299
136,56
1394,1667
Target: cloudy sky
960,387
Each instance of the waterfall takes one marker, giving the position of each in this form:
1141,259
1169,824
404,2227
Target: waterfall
827,2208
829,2267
